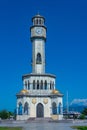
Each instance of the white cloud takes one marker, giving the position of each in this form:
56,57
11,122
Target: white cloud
78,101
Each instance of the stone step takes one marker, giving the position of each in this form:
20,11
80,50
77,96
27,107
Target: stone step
39,119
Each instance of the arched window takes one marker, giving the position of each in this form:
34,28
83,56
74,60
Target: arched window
39,21
38,59
34,84
50,85
36,21
41,84
53,85
54,108
26,108
25,84
37,84
20,109
45,84
60,108
28,85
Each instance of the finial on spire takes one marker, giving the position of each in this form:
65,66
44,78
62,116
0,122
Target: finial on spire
38,12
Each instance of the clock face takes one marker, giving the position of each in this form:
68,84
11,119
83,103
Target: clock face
39,30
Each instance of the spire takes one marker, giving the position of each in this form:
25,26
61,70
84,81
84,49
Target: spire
38,13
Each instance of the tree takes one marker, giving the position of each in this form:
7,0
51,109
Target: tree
82,116
84,111
4,114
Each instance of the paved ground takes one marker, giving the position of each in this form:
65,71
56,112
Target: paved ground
47,126
43,125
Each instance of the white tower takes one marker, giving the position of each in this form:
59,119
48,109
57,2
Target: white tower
38,38
39,98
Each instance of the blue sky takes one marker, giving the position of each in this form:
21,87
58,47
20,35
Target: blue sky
66,46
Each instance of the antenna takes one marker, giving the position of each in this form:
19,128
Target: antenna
67,105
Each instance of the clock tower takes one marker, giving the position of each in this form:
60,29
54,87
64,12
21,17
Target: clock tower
38,39
39,97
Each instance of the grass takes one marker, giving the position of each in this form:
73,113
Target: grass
80,127
10,128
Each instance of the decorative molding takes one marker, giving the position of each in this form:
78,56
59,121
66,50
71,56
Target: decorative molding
45,101
34,100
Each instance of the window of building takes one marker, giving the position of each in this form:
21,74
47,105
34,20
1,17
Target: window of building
25,84
36,21
28,85
26,108
20,109
53,85
60,108
54,108
37,84
41,84
38,59
34,84
45,84
40,21
50,85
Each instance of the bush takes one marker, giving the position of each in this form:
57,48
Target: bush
82,116
84,111
4,114
79,127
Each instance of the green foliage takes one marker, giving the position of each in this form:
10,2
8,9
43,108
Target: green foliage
10,128
82,116
80,127
4,114
84,111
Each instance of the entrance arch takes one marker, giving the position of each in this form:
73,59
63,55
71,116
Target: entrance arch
54,108
40,110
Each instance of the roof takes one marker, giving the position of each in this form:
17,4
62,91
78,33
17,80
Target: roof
34,74
38,16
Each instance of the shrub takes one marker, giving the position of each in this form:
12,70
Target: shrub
82,116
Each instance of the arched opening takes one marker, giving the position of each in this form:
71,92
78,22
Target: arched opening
45,85
53,85
36,21
26,108
50,85
40,110
25,84
54,108
38,59
20,109
60,108
41,84
37,84
40,21
33,84
28,85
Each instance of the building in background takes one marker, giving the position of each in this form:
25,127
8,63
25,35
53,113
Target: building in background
39,97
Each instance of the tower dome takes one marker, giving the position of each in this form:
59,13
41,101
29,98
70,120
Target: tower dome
38,20
24,91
